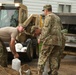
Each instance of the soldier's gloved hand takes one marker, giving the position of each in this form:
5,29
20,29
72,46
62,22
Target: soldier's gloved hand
16,55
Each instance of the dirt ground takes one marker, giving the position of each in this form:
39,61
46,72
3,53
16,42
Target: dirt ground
68,66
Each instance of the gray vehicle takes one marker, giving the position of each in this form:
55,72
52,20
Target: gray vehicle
69,23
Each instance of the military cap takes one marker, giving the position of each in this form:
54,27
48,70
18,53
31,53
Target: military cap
47,7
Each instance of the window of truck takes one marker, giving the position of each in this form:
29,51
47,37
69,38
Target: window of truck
8,17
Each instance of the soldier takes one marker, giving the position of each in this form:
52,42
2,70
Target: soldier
51,37
35,31
8,34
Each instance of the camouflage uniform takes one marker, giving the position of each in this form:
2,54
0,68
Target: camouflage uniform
63,45
52,43
3,54
63,31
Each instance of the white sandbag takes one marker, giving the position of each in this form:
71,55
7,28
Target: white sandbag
24,49
8,49
25,70
28,72
18,46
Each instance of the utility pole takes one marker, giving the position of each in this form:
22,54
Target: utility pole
18,1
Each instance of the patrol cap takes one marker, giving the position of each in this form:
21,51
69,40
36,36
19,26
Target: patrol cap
48,7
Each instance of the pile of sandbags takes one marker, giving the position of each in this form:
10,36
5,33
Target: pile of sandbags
8,71
25,70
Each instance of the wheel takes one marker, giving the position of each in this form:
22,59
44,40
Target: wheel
35,48
29,51
37,51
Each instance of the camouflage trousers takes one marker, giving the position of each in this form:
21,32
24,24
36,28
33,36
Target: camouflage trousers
3,54
63,46
52,53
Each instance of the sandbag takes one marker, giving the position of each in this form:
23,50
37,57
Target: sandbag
3,71
8,71
11,71
25,70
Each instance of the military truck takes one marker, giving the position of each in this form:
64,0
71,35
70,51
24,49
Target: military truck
69,23
12,14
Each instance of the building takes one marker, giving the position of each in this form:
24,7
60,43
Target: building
35,6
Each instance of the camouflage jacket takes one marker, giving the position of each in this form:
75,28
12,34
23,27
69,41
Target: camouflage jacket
51,31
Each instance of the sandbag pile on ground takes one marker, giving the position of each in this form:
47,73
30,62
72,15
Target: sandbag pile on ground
8,71
25,70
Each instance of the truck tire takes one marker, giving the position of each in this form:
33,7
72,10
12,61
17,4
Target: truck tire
35,48
37,51
29,52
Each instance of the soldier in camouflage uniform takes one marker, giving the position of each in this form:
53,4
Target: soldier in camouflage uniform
51,37
35,31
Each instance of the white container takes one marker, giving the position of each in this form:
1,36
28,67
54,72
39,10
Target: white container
16,64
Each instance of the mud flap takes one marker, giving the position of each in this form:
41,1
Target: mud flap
3,54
